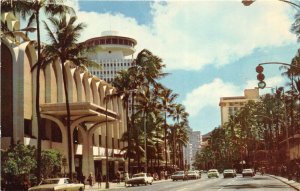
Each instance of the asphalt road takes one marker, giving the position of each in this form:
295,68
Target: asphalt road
256,183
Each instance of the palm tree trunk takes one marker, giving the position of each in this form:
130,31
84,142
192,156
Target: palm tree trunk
145,139
129,137
37,101
166,153
174,148
70,154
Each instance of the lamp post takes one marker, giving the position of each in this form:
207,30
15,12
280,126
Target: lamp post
106,145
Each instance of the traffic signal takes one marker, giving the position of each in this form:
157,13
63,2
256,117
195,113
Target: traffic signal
260,76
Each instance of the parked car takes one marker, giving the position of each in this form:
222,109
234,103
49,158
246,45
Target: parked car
213,173
140,178
229,173
57,184
192,175
248,172
178,175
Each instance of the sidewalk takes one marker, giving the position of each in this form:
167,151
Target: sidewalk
113,185
291,183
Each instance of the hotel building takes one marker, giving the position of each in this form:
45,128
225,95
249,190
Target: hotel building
230,105
88,109
111,52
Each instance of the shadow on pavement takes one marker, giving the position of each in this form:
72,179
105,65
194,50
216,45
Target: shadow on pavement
254,186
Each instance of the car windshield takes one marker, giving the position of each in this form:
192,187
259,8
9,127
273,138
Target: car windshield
191,172
247,170
138,175
212,171
228,171
50,181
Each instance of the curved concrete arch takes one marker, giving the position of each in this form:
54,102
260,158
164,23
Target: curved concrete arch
94,91
59,124
86,86
25,57
98,84
78,83
70,81
101,90
48,78
59,80
74,85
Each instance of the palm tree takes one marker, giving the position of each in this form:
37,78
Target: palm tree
167,98
177,114
32,9
64,46
126,84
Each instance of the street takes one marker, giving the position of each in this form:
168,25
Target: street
239,183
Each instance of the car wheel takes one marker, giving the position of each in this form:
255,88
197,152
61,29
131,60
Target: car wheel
80,189
151,183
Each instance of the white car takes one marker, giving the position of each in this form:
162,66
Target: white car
213,173
248,172
57,184
140,178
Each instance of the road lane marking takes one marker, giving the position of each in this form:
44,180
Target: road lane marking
181,189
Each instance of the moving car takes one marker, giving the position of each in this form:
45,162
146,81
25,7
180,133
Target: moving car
213,173
140,178
179,175
229,173
248,172
57,184
193,174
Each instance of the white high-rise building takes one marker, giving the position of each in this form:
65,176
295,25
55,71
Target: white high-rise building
193,146
112,52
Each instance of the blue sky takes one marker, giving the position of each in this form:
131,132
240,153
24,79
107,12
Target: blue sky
211,48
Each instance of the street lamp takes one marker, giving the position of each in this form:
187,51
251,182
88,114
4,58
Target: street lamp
106,143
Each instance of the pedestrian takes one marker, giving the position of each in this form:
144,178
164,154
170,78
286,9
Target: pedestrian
126,177
99,179
90,179
166,175
118,175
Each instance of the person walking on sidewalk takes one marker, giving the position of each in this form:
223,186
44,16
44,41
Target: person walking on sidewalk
118,175
99,179
126,177
90,179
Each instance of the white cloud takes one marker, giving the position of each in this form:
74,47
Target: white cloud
209,95
190,35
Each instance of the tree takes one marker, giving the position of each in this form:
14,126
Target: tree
64,46
32,9
18,161
51,163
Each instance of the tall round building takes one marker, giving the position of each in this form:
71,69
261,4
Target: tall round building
112,52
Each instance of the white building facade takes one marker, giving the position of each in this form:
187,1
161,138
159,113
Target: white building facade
112,52
193,146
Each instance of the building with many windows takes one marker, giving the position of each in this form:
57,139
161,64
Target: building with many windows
230,105
92,119
192,147
112,52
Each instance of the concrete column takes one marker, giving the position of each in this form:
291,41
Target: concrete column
116,166
103,167
87,156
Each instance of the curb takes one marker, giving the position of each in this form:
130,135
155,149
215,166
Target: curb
280,179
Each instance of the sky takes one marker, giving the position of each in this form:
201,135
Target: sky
210,48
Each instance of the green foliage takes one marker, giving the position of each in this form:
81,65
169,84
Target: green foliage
51,163
18,160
